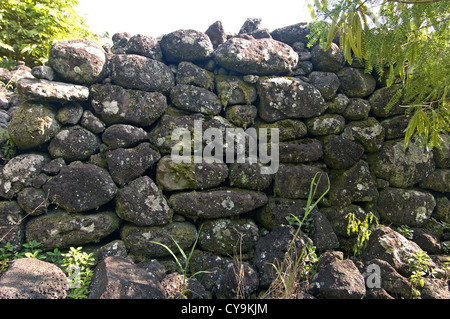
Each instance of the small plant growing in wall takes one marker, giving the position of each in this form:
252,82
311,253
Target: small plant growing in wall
362,230
183,267
419,265
76,264
296,265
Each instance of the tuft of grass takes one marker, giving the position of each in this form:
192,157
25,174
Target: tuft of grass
298,263
184,267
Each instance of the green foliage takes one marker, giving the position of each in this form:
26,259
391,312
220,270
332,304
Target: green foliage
406,41
76,264
9,148
406,231
183,264
419,265
296,265
361,229
28,29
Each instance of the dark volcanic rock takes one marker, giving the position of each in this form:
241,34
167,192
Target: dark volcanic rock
217,203
256,56
81,187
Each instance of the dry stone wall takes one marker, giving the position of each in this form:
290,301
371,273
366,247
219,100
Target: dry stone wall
95,132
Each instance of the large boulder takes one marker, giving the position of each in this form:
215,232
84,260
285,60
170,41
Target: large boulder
78,61
331,60
283,98
81,187
338,279
189,73
74,143
199,173
234,90
294,181
392,247
292,33
216,203
20,172
195,99
144,45
256,56
341,153
30,278
142,203
49,91
406,206
402,167
115,104
138,239
140,73
61,229
186,45
118,278
355,83
355,184
127,164
33,124
228,237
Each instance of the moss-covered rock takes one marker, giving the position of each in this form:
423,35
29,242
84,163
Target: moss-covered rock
256,56
300,151
142,203
356,184
74,143
11,227
127,164
355,83
60,229
402,167
289,129
199,173
249,176
276,210
186,45
140,73
138,238
406,206
33,124
283,98
81,187
189,73
369,133
234,90
326,124
195,99
294,181
341,153
20,172
115,104
228,237
217,203
242,115
78,61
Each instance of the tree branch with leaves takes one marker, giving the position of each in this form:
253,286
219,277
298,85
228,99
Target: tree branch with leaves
407,41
